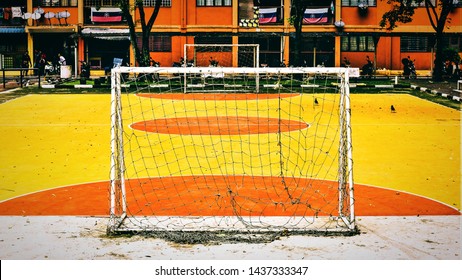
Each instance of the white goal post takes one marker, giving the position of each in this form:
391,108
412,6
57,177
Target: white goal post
234,154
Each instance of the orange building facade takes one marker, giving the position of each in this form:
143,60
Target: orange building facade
94,31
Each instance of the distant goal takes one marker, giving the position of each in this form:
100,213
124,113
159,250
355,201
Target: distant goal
222,55
244,150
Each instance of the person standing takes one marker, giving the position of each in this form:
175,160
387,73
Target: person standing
42,63
37,56
61,59
26,62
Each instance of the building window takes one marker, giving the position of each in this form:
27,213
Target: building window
158,43
420,3
152,3
101,3
355,3
415,44
270,49
214,41
55,3
213,3
453,42
358,44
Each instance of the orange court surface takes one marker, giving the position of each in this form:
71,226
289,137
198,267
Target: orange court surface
54,172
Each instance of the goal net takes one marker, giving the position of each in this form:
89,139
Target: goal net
244,150
222,55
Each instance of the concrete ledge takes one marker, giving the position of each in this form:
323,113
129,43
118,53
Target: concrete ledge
273,86
232,86
159,86
399,73
83,86
354,85
195,85
97,72
436,92
384,86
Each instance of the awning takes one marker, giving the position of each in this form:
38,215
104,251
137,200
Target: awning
106,33
12,30
51,29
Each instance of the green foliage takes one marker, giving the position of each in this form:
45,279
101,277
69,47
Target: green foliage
142,54
450,54
401,12
291,20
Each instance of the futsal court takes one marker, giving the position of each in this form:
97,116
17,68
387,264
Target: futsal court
56,155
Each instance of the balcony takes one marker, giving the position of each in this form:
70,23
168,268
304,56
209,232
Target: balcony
12,16
55,3
261,16
318,15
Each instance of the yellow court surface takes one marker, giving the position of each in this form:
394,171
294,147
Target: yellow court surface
50,141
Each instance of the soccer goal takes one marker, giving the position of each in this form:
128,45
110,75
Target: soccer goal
222,55
234,155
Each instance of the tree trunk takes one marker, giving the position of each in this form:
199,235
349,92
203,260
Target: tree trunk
142,55
437,74
298,13
438,23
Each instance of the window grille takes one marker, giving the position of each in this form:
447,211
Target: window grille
355,3
158,43
414,44
151,3
357,44
213,3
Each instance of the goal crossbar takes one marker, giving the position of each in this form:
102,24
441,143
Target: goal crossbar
233,70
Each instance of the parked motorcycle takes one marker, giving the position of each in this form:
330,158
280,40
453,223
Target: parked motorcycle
412,72
154,63
50,69
368,68
409,71
181,63
213,62
84,70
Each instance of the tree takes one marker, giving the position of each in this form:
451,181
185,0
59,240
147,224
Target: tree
297,11
438,14
142,55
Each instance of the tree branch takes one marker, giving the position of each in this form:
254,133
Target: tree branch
431,12
154,14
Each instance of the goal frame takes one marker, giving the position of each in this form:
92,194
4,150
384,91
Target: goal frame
117,188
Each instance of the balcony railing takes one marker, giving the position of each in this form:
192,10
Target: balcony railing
318,15
274,15
270,15
55,3
104,16
12,16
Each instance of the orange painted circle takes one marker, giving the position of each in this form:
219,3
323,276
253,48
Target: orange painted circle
222,195
218,125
